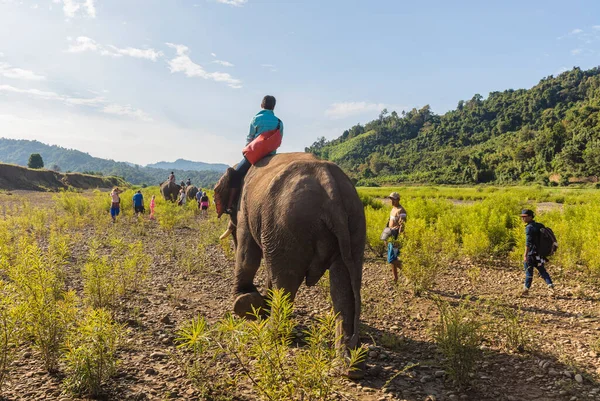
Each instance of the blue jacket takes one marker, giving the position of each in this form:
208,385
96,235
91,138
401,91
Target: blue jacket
138,200
532,237
263,121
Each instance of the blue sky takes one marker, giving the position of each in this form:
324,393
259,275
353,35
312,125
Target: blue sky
144,81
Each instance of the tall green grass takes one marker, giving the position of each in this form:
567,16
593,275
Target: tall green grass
490,225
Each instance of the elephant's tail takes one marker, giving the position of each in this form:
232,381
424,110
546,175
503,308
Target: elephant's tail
342,232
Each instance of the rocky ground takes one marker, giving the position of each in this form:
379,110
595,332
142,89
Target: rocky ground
404,362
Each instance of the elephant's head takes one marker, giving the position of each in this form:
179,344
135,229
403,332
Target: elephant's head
222,191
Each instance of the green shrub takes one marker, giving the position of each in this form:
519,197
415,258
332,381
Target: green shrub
101,286
512,330
48,309
90,352
73,203
261,350
10,327
458,335
421,260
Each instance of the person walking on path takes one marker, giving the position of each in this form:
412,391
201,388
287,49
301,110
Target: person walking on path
152,206
181,197
115,205
138,202
394,227
199,195
204,203
531,257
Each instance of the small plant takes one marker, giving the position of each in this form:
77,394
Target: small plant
100,284
49,310
513,331
132,270
421,262
261,350
473,273
58,248
73,203
90,352
392,341
10,319
458,335
596,345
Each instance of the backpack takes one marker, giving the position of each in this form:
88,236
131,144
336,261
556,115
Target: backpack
547,243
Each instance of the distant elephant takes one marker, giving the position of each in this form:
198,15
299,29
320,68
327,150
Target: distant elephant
190,193
304,216
170,190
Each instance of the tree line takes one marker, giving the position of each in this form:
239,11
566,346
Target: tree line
549,133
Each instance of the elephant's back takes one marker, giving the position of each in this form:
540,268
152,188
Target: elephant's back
297,186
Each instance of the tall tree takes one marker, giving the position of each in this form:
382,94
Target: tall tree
35,161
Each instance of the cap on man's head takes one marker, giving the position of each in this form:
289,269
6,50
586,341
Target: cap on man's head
394,195
527,212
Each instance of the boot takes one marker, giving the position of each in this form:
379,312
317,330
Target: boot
233,194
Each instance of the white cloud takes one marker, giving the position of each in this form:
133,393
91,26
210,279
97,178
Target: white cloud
91,9
1,54
214,55
561,70
236,3
223,63
83,44
576,51
576,31
596,27
73,7
270,67
95,102
126,110
32,92
8,71
182,63
149,54
347,109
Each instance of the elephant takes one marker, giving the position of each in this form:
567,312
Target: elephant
190,193
170,190
303,216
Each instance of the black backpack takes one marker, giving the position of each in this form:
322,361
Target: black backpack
547,243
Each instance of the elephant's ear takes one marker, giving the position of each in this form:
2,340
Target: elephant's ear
222,191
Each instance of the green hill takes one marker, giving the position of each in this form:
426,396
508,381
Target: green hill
17,151
550,132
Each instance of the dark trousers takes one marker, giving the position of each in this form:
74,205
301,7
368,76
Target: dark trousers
240,172
539,265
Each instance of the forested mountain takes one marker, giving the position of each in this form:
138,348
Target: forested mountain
182,164
17,151
551,131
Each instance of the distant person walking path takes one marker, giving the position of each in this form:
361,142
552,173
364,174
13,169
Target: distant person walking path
115,205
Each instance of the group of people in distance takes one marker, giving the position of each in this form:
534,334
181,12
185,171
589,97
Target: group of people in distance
532,257
138,203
